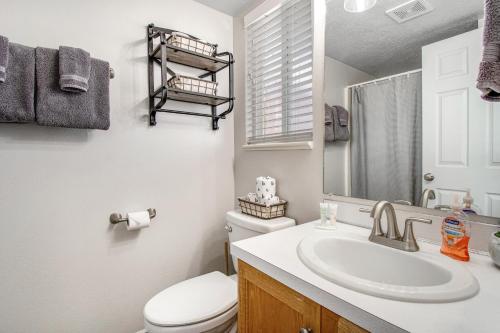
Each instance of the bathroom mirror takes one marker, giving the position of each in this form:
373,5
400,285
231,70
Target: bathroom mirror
405,121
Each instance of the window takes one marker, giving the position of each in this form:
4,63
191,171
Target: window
279,75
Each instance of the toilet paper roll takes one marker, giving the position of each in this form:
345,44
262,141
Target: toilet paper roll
265,187
138,220
270,201
252,197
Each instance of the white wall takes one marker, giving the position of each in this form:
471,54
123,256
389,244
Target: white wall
63,268
338,76
298,172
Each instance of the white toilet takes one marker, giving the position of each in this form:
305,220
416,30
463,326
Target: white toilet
207,303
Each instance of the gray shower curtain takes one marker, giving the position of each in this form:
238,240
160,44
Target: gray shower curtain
386,146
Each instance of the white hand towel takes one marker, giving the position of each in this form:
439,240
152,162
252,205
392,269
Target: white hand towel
138,220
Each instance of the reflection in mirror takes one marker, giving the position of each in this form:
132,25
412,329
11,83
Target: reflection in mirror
404,120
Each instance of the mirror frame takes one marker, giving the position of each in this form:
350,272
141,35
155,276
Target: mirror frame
480,219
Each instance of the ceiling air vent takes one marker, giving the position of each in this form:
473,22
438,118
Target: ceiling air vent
409,10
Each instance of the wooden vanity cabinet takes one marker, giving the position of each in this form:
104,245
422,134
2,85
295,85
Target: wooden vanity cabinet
268,306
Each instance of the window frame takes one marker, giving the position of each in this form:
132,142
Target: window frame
258,13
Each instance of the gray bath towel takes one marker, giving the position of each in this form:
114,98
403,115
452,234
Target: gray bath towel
17,93
4,57
74,69
488,80
55,107
336,121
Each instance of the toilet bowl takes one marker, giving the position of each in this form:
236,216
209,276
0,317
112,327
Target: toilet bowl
207,303
200,304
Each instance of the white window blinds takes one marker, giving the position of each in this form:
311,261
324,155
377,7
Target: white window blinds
279,75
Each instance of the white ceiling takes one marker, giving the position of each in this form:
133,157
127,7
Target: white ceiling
374,43
231,7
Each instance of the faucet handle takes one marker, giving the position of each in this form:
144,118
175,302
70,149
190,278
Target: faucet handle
442,207
417,219
403,202
408,235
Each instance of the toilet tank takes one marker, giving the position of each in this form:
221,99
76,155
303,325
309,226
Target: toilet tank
241,226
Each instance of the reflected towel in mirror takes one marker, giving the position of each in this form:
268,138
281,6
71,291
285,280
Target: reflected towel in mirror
488,80
336,123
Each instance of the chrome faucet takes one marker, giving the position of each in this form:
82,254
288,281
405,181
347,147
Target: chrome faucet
427,194
392,237
392,224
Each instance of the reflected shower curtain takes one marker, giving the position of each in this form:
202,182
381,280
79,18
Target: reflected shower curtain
386,146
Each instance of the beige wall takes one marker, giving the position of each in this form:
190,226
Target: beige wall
63,268
337,77
299,173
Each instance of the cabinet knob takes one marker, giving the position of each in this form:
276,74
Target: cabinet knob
305,330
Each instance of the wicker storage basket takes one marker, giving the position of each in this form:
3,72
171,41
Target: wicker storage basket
191,43
193,84
262,211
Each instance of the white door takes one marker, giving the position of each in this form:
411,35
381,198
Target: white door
461,132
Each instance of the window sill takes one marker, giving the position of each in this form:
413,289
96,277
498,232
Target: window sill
303,145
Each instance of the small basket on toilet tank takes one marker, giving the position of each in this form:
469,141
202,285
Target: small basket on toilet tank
261,210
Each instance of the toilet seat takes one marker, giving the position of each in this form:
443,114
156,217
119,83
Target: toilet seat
196,305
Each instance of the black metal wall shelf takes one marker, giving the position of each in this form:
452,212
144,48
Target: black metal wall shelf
191,59
197,98
164,53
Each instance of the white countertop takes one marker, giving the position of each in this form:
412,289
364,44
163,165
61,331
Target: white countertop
275,254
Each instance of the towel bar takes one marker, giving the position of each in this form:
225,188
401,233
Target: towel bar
117,218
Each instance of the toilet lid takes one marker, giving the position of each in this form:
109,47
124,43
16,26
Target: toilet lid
192,301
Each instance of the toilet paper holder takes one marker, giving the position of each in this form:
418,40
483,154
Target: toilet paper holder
118,218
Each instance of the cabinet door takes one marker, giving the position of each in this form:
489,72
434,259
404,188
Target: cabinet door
333,323
268,306
329,321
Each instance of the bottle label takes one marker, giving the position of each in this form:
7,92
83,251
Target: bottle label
455,238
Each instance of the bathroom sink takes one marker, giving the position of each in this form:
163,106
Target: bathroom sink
355,263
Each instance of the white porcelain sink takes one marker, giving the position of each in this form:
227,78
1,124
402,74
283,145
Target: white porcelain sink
358,264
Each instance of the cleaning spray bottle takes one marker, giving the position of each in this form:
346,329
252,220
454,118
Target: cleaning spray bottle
455,232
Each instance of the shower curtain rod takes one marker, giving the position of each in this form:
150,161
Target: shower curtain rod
384,78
